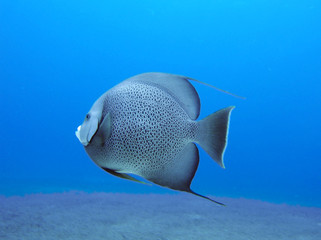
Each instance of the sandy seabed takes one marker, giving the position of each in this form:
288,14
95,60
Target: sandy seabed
113,216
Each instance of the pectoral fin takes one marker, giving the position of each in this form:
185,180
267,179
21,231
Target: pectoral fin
104,131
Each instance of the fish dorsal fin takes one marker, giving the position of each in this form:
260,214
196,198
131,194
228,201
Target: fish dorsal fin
177,86
216,88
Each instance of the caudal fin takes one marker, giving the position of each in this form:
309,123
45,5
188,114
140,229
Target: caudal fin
213,134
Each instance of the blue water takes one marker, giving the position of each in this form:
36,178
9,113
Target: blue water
57,57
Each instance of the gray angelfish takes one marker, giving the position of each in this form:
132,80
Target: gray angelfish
146,126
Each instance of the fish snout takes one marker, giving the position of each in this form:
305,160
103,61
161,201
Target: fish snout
85,143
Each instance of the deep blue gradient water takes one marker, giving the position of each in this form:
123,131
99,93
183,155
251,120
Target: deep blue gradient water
57,57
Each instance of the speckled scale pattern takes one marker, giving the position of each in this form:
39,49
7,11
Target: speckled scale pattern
149,128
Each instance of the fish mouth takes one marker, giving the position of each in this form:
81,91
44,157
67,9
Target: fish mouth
84,143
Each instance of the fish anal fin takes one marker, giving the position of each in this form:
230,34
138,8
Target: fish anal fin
210,199
178,173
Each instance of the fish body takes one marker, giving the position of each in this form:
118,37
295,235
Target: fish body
147,126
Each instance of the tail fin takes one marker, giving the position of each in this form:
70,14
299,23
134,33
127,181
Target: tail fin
213,134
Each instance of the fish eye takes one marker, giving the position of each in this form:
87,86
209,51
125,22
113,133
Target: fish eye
87,116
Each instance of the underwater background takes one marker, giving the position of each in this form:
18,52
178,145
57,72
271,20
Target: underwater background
57,57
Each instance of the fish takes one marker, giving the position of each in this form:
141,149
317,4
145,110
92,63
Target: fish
147,126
